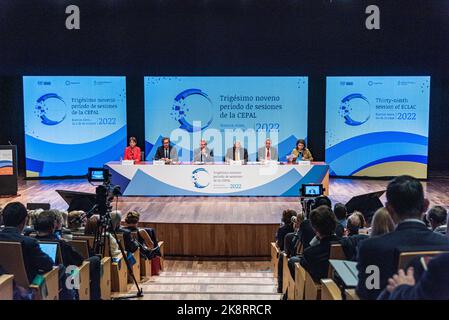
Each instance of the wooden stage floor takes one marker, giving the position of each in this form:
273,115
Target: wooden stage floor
215,226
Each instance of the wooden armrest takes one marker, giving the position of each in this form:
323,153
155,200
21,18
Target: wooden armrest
300,279
6,287
49,288
119,275
330,290
105,278
84,281
161,246
351,294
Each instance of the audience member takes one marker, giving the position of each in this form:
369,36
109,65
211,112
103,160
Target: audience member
341,213
91,228
432,284
75,222
382,223
149,247
315,259
285,228
437,217
116,218
46,227
406,205
15,218
356,222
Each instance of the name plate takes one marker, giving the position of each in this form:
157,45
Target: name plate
159,162
235,162
127,162
269,162
304,162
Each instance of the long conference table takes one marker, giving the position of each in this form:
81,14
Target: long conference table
217,179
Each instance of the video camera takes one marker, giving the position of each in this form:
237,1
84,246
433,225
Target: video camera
105,192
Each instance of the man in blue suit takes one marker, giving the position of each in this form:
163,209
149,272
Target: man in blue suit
406,204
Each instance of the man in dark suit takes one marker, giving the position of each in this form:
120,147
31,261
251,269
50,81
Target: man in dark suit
166,152
15,217
45,227
378,256
304,235
237,153
315,259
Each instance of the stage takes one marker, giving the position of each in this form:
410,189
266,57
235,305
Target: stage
215,226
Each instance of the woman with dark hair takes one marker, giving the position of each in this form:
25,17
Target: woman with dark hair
146,237
132,152
300,152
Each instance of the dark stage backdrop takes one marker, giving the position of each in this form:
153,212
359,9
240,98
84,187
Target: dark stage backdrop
315,38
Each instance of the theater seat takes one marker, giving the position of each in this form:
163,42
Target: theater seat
6,287
11,260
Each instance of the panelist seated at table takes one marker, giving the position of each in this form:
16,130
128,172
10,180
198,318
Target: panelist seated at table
166,152
236,153
267,153
203,153
132,152
300,152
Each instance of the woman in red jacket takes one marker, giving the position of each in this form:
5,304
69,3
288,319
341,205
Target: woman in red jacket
133,151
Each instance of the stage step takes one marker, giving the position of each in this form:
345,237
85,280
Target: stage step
184,284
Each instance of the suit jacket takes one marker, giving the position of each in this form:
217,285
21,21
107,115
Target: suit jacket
208,157
230,154
432,285
350,245
35,260
172,154
315,259
273,154
281,233
306,233
383,251
69,255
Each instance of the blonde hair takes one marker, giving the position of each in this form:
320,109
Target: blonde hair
132,217
32,216
73,221
382,223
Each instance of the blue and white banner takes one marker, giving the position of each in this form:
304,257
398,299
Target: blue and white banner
216,179
72,123
213,106
377,126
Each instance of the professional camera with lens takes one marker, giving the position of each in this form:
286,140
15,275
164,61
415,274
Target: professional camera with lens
105,192
308,193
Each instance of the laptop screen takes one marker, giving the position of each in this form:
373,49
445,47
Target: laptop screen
51,249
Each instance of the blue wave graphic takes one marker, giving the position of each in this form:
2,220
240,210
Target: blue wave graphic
357,158
52,152
77,167
373,138
5,163
408,158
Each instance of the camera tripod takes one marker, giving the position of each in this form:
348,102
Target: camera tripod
99,246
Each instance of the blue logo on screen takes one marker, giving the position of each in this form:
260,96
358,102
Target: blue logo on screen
355,109
51,109
190,106
200,178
